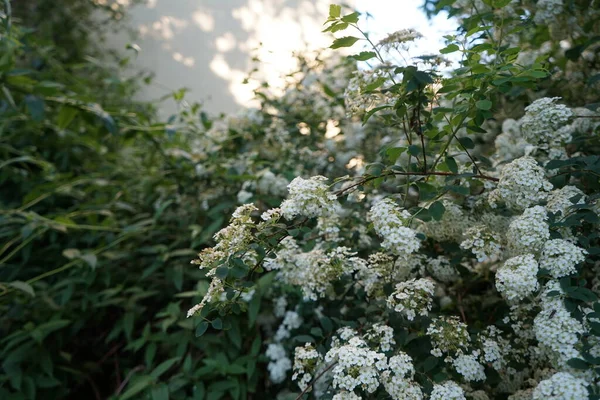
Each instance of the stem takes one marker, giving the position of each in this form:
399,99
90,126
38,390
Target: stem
315,380
402,173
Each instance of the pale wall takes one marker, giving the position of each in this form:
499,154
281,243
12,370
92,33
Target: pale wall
207,45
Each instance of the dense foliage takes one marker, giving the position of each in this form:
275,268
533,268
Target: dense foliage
452,252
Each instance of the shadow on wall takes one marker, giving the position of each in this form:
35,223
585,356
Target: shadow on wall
207,46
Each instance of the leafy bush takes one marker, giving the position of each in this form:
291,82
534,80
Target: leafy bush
462,263
405,274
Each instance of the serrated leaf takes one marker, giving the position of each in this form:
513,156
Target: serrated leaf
345,41
351,18
335,11
364,55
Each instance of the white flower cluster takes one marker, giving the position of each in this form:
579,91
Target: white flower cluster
306,360
561,257
357,98
554,326
448,335
412,297
291,320
468,366
399,39
390,224
356,366
309,198
231,239
398,379
543,119
510,144
344,395
559,200
483,243
494,348
315,270
561,386
522,184
448,390
517,278
528,232
381,337
451,227
279,363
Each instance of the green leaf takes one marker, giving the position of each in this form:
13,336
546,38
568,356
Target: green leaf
222,272
164,367
160,392
90,259
364,55
394,152
66,116
373,111
351,18
336,27
484,104
304,339
452,166
201,328
345,41
437,210
578,363
466,142
414,150
217,323
23,287
137,386
450,49
335,11
326,324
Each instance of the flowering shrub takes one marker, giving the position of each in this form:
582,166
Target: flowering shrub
381,230
460,263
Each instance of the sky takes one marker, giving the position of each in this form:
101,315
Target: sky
206,45
392,15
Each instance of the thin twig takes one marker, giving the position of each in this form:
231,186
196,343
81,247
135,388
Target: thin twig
415,173
127,378
315,380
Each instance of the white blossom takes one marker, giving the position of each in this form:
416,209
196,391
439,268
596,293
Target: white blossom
517,278
280,364
561,257
309,198
522,184
468,366
448,390
528,232
413,297
390,223
561,386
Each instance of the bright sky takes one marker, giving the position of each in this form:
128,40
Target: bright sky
393,15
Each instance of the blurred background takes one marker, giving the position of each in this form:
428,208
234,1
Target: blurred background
211,46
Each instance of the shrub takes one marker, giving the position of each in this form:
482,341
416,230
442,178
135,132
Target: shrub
447,269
